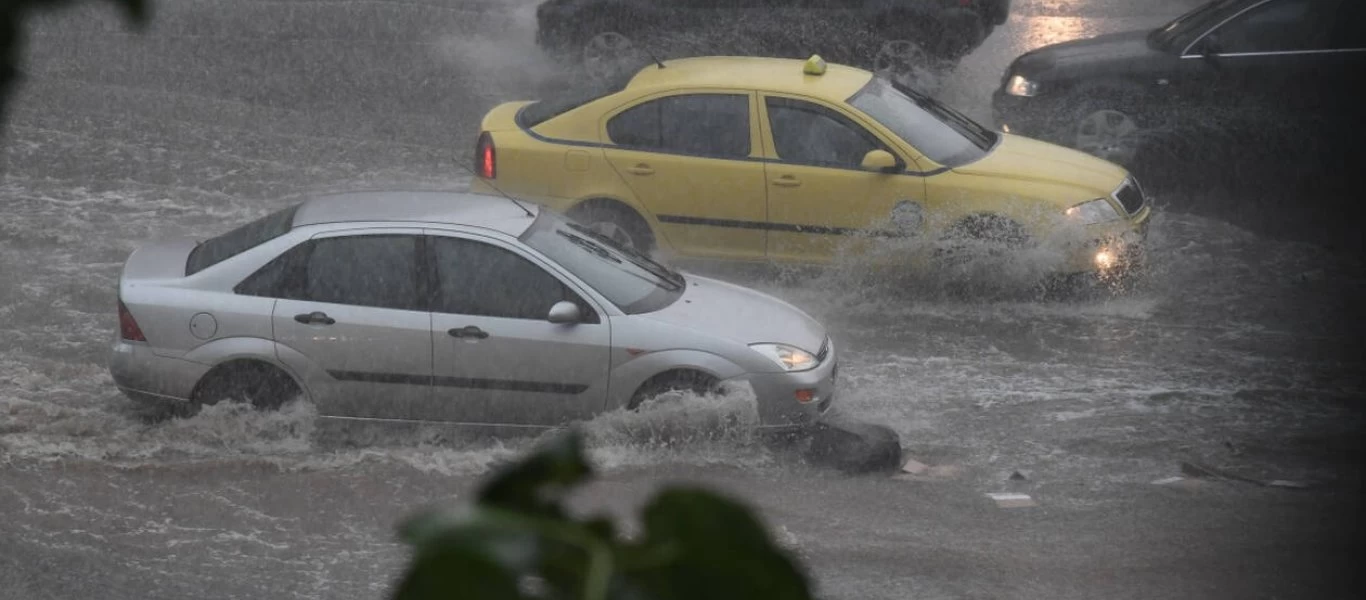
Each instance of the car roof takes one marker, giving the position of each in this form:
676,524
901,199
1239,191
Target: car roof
416,206
782,75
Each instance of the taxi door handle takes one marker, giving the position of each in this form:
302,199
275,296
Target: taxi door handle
787,181
641,169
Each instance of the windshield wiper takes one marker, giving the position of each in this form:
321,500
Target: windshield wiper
588,245
592,247
636,257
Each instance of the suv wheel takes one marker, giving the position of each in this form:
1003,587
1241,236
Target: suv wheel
1109,134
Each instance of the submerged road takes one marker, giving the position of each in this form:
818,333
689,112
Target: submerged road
1243,352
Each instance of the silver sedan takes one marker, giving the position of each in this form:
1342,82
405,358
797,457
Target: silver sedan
451,307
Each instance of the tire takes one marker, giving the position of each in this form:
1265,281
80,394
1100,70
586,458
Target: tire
977,236
1106,121
687,380
262,385
617,222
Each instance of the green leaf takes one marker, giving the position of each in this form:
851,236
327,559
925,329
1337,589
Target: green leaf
720,551
456,572
539,482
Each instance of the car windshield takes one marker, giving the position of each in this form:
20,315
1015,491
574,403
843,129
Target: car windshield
1183,30
630,280
940,133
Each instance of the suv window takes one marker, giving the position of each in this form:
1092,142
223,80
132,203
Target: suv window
367,270
218,249
1277,26
475,278
1351,26
811,134
713,125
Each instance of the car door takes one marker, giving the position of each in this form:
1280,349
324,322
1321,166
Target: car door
819,196
350,303
1271,66
497,357
691,159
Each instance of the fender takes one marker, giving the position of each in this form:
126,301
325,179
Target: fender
223,350
627,377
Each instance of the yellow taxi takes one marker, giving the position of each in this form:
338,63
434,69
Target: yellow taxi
791,161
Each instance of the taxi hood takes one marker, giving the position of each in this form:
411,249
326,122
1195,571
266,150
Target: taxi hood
1026,159
740,314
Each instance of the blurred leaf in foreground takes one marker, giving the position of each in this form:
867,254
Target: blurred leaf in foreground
518,540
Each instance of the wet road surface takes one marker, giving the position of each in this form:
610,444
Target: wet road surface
1243,351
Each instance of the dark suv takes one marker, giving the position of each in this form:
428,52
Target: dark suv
897,37
1224,80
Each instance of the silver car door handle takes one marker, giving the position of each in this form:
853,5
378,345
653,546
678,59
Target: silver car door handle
314,318
468,331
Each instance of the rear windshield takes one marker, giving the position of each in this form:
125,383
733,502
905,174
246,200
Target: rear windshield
546,109
218,249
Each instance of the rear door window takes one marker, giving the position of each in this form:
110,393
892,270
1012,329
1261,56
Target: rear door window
366,270
710,125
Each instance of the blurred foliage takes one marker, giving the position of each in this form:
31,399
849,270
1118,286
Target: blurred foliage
12,16
519,540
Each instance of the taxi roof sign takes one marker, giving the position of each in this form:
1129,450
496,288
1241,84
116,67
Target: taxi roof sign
814,65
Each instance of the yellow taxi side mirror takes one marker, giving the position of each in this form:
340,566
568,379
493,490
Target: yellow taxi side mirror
879,160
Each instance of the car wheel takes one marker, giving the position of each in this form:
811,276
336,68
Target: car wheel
608,55
977,237
615,222
1107,133
263,386
907,63
695,382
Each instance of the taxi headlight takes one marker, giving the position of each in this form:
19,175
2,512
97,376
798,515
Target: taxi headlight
1019,86
1095,211
790,358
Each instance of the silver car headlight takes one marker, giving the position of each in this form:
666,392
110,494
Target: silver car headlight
1019,86
1095,211
790,358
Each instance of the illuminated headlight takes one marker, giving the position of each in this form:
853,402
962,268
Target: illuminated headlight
1096,211
1019,86
787,357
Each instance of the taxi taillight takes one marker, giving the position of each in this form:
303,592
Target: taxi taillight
485,157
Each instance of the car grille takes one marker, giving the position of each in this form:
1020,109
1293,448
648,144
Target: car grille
824,351
1130,196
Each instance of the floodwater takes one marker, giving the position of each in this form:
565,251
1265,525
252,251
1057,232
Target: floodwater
1242,350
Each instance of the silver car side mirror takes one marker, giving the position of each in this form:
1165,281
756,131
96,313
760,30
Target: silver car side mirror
565,311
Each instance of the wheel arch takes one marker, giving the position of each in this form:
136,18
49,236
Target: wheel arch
628,378
243,349
245,362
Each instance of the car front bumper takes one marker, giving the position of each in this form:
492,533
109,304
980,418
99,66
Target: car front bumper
1114,248
795,400
144,376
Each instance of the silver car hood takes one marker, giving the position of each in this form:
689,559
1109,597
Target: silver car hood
740,314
